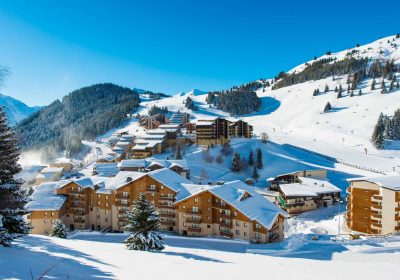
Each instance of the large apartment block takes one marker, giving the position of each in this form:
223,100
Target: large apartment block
232,210
374,205
219,131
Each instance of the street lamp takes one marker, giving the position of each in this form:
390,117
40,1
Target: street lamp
340,202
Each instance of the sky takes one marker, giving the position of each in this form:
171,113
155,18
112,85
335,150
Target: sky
54,47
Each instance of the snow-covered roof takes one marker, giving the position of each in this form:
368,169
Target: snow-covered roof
389,181
204,123
246,200
171,180
45,198
106,169
308,187
46,176
142,144
123,143
84,182
52,170
132,163
122,179
168,126
156,131
151,137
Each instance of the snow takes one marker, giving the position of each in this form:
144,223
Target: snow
171,180
390,181
132,163
308,187
45,198
255,207
103,256
122,179
15,110
106,169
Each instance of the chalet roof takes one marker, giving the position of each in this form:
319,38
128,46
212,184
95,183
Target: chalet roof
106,169
52,170
122,179
132,163
45,198
171,180
389,181
242,197
254,206
308,187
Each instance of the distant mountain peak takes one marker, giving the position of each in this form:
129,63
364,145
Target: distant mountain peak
15,109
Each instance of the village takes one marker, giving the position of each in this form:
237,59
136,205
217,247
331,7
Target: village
194,207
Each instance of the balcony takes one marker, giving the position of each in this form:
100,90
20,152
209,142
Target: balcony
120,203
225,216
151,190
74,192
397,227
191,211
223,224
397,218
376,198
121,196
167,223
348,197
376,225
165,198
193,221
219,205
226,234
397,209
167,215
376,206
194,229
165,206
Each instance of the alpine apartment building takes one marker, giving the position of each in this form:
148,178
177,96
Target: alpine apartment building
374,205
232,210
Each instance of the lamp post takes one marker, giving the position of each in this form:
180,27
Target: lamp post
340,202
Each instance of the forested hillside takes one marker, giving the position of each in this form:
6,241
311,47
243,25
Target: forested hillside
237,101
82,114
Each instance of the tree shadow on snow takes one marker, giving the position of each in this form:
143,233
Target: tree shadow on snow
192,256
34,255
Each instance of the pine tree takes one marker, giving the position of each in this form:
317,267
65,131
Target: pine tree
373,84
383,86
59,230
326,88
12,198
328,107
377,134
336,89
178,152
255,174
359,92
339,95
259,160
236,163
251,159
143,225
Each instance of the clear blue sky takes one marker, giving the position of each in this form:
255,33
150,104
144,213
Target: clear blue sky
53,47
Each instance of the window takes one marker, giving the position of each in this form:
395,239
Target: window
170,195
209,200
257,235
208,226
237,232
125,194
106,204
98,203
196,200
106,219
183,206
235,213
98,196
162,187
52,213
45,221
106,196
152,187
184,224
245,233
45,213
52,221
245,224
258,226
195,209
124,201
152,194
223,203
237,223
208,209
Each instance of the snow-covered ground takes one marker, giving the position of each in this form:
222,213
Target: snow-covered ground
103,256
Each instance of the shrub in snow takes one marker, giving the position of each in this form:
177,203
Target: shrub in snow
59,230
328,107
143,225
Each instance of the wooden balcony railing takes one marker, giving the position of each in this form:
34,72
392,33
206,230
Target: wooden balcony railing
225,216
193,221
122,196
165,206
151,190
194,229
219,205
165,198
190,211
223,224
167,215
120,203
226,234
167,223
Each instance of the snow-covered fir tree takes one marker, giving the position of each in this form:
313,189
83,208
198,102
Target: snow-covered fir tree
327,107
255,174
259,160
377,135
250,162
236,163
12,198
59,230
143,227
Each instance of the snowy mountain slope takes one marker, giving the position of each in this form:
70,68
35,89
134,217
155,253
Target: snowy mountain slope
15,109
293,115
